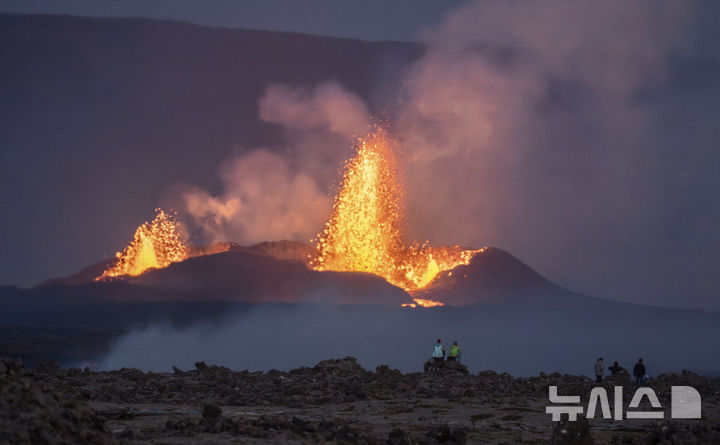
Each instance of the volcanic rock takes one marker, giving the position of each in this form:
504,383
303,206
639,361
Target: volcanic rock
334,401
211,412
445,366
31,412
445,434
668,433
200,366
572,433
399,437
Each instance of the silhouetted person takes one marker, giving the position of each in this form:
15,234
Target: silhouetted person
438,351
599,368
639,372
454,353
615,368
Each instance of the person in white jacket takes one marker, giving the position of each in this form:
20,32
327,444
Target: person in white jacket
599,368
438,351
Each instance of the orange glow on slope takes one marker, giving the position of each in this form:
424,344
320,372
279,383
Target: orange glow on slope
156,244
365,230
422,302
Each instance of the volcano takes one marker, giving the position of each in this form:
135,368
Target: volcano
365,234
281,272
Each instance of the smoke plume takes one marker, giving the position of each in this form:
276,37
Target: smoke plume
555,130
272,194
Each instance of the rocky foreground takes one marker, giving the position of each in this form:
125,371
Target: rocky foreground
336,401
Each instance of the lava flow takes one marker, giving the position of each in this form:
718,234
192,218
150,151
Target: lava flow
156,244
365,230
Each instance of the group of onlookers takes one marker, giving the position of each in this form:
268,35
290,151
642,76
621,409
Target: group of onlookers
639,372
439,352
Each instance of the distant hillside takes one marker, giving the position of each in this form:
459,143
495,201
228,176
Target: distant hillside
281,250
492,275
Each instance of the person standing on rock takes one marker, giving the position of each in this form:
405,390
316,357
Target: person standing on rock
599,368
639,372
438,351
454,353
615,368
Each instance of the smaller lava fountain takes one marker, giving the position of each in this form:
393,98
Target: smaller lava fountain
156,244
365,230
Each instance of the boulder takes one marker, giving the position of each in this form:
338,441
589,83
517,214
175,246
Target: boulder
566,432
31,412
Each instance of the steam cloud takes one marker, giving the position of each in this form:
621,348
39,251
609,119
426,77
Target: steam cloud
271,195
548,129
531,127
264,199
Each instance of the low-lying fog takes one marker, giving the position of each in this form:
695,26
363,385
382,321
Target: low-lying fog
521,339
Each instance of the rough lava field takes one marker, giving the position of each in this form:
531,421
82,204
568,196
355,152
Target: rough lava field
336,401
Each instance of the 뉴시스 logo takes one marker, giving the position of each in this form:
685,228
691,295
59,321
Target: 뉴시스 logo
684,404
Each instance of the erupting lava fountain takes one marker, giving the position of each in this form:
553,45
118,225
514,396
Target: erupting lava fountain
365,232
156,245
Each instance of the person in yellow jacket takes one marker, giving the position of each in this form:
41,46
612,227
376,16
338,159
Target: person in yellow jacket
454,352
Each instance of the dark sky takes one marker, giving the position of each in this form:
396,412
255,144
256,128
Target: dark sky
599,168
366,19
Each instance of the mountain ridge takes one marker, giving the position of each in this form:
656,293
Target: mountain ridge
150,20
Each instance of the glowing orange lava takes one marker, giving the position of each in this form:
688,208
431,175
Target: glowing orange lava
156,244
365,230
423,303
